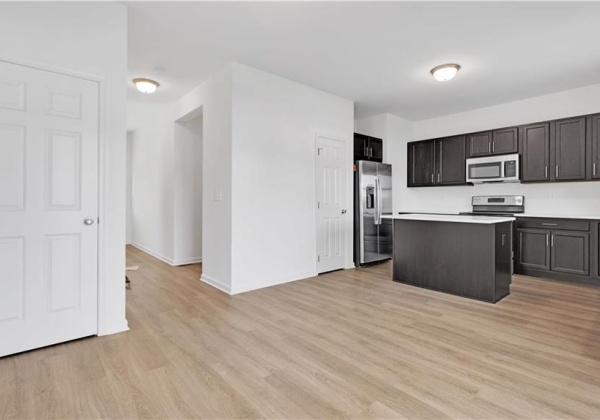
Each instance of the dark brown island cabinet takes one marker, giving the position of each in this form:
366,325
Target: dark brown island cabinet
563,150
367,148
558,248
454,254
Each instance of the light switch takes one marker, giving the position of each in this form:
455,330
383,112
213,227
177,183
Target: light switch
218,195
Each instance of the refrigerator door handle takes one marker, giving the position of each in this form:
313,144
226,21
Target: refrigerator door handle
376,200
380,197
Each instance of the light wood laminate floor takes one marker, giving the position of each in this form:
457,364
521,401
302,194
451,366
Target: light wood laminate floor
345,344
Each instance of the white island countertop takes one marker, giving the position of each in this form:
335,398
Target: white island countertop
485,220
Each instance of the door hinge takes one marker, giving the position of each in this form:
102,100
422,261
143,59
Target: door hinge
318,258
319,151
318,204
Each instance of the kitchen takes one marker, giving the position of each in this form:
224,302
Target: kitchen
560,245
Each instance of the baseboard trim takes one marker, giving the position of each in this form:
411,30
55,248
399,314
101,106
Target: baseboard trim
215,283
153,253
122,327
187,261
297,277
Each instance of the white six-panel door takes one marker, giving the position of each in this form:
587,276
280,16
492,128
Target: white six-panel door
48,188
331,204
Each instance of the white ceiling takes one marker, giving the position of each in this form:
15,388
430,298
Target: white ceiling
377,54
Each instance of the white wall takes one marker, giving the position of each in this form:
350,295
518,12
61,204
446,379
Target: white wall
552,198
215,98
188,191
88,38
163,216
152,154
128,187
258,173
274,215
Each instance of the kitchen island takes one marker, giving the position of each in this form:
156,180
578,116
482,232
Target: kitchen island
469,256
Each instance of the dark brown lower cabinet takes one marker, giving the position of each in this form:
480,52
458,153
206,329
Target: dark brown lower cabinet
570,252
556,252
533,249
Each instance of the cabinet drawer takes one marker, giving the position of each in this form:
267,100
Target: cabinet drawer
553,224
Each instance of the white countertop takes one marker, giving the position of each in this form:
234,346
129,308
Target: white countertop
485,220
538,215
561,216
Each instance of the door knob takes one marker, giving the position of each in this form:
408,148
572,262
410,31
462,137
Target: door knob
343,211
88,221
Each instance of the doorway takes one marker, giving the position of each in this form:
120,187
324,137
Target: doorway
187,247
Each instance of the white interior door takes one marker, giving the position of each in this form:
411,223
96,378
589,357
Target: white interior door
48,192
331,204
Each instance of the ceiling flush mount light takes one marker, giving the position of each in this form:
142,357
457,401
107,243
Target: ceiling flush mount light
146,85
445,72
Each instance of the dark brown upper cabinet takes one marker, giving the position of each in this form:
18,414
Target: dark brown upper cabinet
562,150
421,163
497,142
437,162
594,147
450,161
535,152
480,144
505,141
569,144
368,148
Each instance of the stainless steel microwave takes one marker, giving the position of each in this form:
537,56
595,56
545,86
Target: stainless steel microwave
503,168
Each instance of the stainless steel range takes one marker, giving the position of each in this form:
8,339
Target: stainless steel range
496,205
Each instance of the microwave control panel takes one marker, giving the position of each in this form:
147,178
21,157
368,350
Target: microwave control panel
510,168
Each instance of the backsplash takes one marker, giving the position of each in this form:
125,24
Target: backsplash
577,198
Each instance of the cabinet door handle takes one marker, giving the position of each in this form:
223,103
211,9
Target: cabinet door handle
551,240
547,240
439,178
490,147
549,224
493,147
432,179
557,171
546,172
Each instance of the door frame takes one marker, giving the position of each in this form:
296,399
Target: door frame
101,278
349,223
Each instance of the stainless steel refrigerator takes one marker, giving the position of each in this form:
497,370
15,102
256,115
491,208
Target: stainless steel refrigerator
373,236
